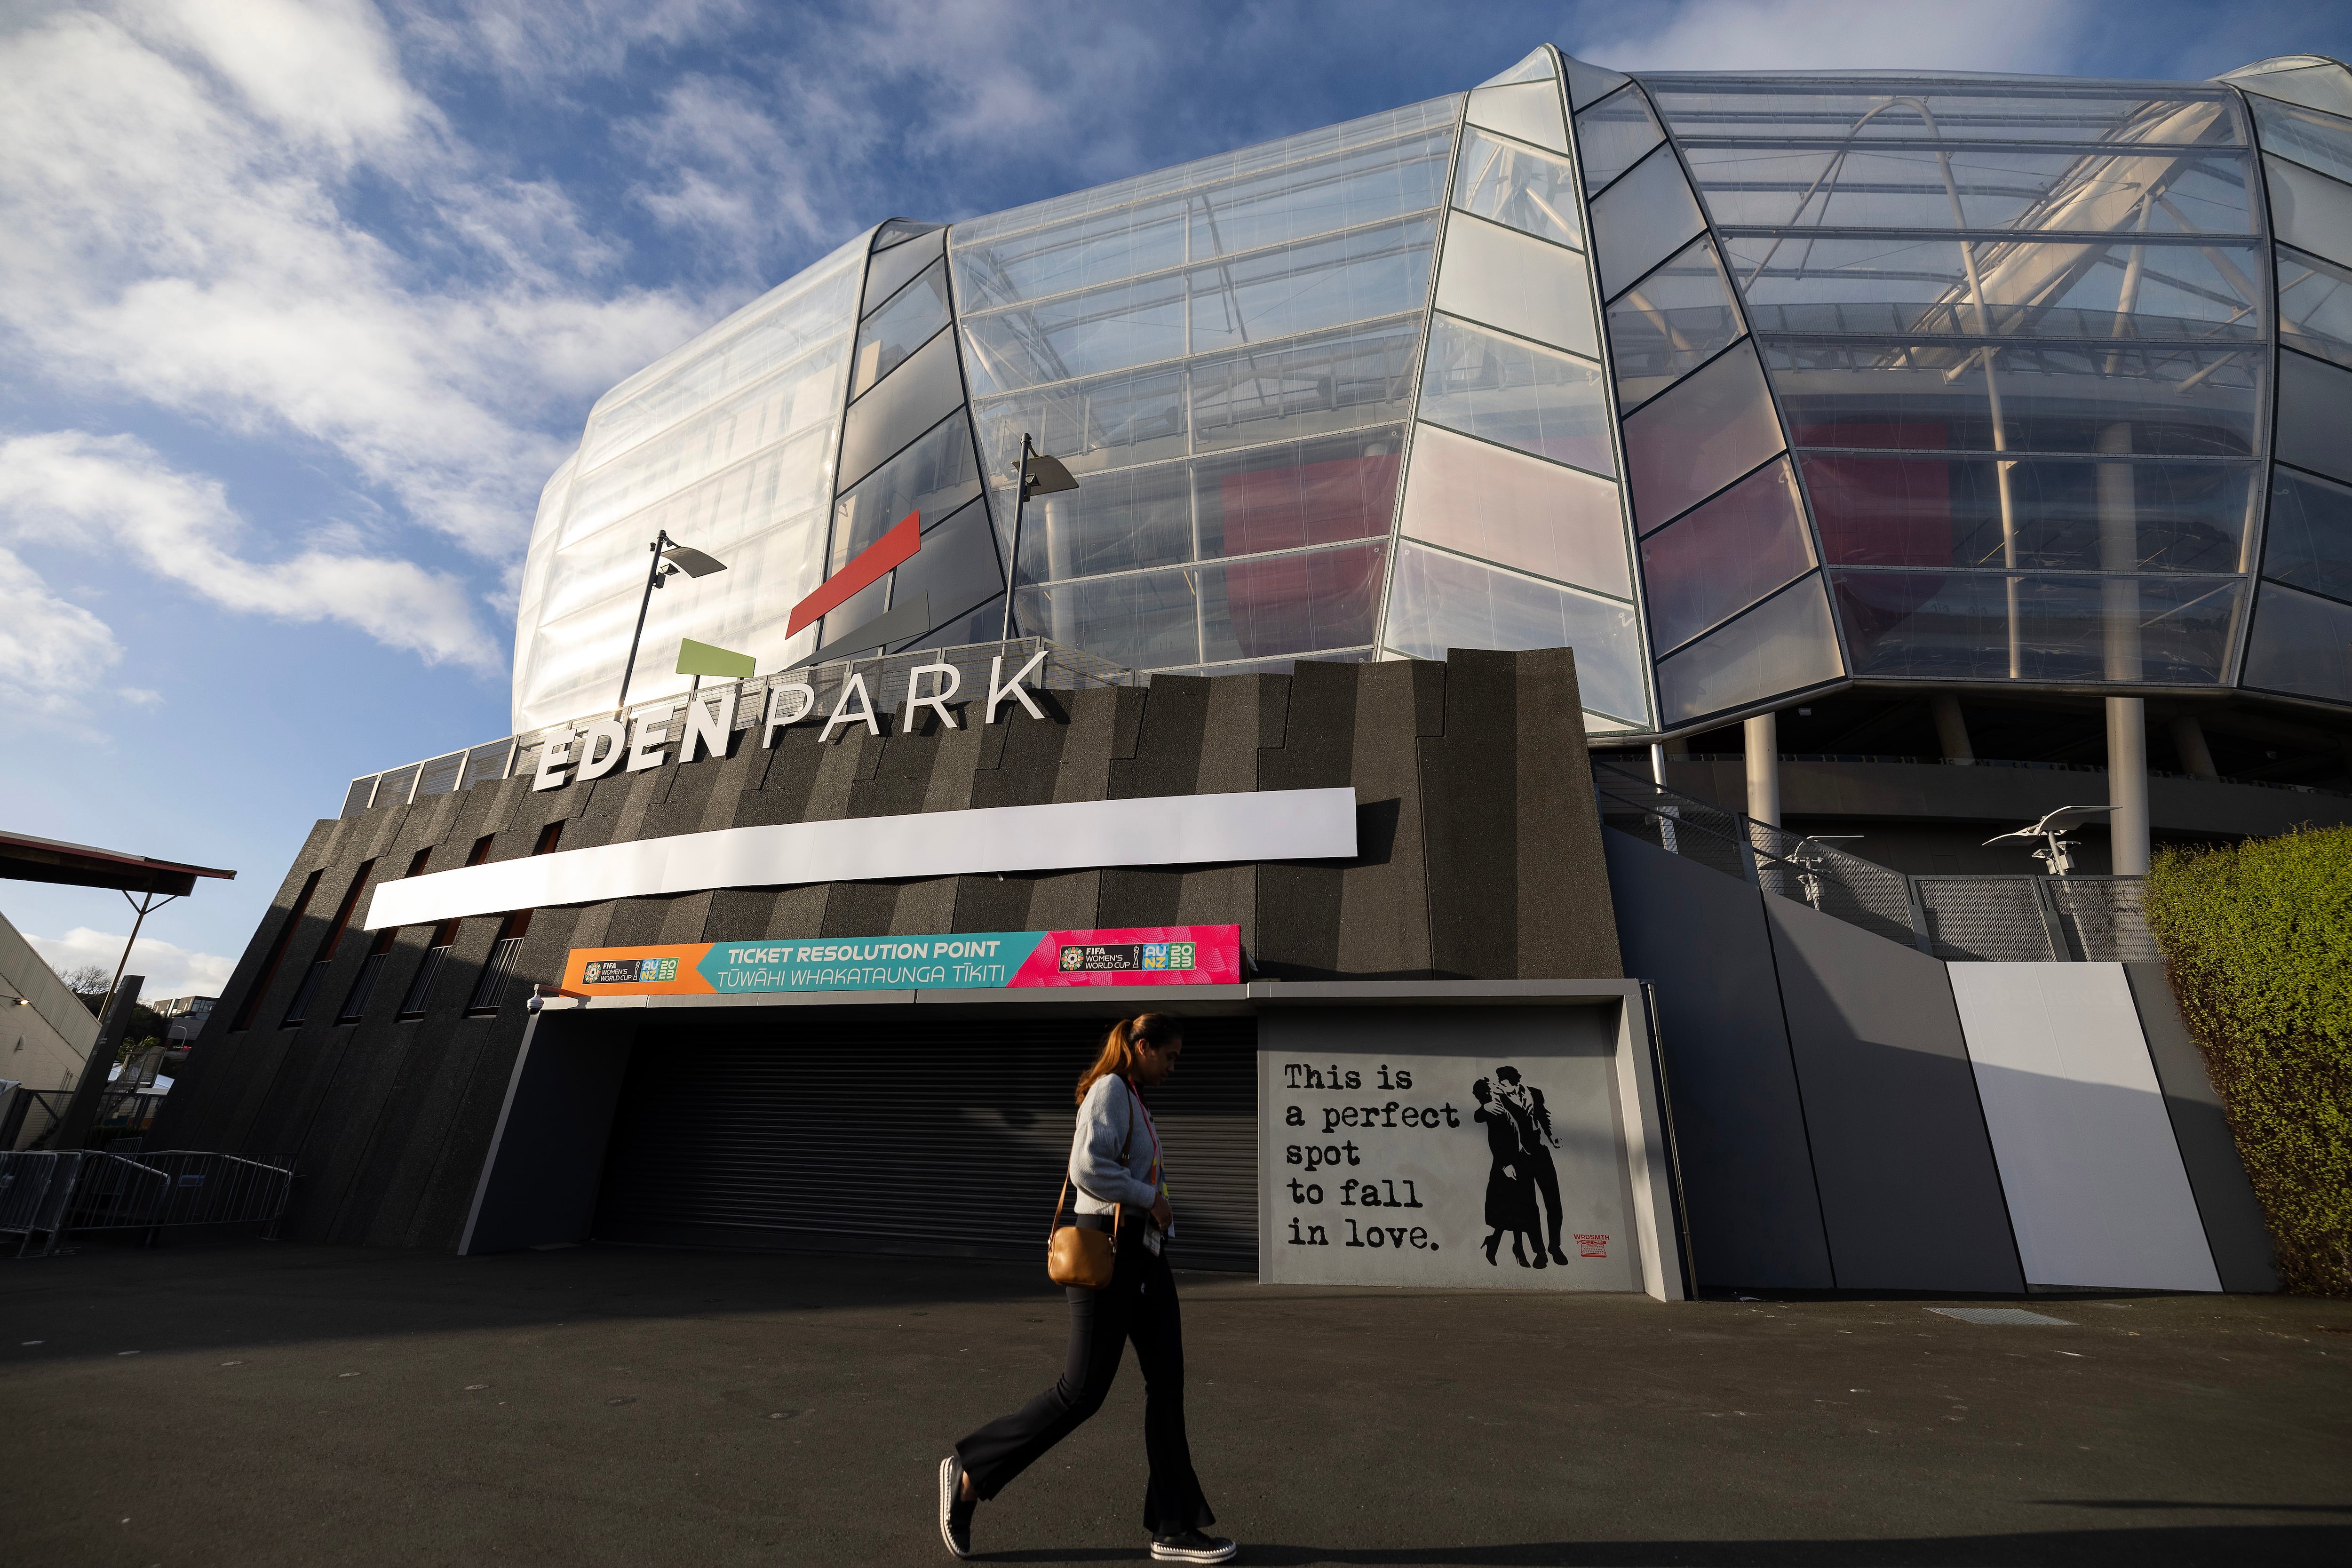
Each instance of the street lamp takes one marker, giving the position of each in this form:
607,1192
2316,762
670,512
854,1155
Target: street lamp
670,558
1040,476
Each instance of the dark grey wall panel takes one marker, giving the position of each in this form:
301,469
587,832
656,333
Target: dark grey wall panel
2234,1227
390,1118
1739,1124
550,1154
1470,775
1567,927
1909,1192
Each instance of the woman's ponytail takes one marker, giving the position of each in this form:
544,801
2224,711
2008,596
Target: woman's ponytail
1127,1040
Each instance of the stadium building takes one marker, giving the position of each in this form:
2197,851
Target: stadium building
1902,456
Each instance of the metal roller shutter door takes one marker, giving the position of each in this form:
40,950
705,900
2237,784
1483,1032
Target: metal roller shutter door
907,1134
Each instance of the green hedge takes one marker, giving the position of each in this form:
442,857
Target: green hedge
2259,941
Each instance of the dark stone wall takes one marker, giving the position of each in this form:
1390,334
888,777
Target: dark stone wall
1480,858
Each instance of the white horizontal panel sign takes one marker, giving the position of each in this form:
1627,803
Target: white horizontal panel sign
1157,830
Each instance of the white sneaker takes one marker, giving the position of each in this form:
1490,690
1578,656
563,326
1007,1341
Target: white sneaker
1191,1546
955,1513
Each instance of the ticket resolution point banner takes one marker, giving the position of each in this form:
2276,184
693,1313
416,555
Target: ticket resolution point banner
961,961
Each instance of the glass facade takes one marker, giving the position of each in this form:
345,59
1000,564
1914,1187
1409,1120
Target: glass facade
1741,385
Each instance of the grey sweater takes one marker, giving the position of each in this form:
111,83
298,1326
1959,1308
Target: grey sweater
1110,1119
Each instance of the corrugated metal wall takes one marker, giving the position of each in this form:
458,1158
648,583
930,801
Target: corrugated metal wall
908,1134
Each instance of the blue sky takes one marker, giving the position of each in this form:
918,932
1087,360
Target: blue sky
301,303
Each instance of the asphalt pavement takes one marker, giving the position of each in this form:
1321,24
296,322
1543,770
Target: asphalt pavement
253,1404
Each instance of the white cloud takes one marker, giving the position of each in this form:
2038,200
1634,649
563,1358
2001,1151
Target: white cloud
536,42
170,971
117,494
175,228
800,150
51,652
1835,35
319,69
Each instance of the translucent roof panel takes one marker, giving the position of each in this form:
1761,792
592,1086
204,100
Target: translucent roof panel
2199,291
1717,559
2310,211
728,445
2057,397
1957,625
1672,321
1518,393
796,319
1507,182
1507,280
1284,606
1224,354
1712,428
1893,108
1613,134
1785,644
2321,142
1442,601
1589,83
1481,500
913,399
2300,644
2315,306
1645,217
2308,541
2315,415
2311,80
1334,178
892,269
1941,509
1537,67
933,476
910,318
1529,113
1145,620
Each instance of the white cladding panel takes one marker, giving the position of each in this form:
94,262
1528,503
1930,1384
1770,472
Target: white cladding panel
2098,1194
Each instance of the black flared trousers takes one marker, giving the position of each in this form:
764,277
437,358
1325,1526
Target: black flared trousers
1138,1304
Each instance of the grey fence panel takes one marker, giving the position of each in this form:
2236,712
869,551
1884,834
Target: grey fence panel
2106,917
1993,919
486,763
442,775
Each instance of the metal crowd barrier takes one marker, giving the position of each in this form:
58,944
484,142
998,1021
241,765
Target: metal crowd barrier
43,1197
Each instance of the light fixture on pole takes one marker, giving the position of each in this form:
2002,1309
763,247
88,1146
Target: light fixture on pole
1040,476
670,558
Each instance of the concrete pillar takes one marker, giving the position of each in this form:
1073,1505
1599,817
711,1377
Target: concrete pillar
2188,739
1666,835
1951,728
1763,737
2127,828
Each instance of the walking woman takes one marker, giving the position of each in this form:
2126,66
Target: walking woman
1115,1165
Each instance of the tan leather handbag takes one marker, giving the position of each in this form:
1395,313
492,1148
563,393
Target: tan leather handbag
1080,1255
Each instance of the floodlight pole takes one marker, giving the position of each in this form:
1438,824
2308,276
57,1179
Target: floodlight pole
1021,502
652,580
